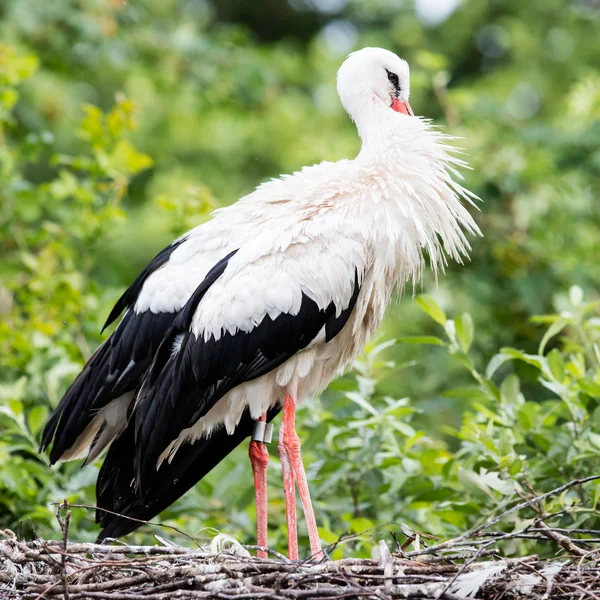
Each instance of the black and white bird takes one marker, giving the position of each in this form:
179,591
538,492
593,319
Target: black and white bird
262,306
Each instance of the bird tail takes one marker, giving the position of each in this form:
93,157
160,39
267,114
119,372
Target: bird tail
120,511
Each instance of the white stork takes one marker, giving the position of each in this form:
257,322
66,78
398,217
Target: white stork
260,307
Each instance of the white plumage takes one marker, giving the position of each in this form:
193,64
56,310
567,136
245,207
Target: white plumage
315,234
379,214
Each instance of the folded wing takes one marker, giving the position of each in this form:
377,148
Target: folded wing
94,408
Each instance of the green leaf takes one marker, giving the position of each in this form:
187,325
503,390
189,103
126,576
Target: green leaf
14,390
471,480
591,388
528,415
516,467
362,402
400,408
428,305
467,391
510,389
505,442
530,359
360,525
379,348
594,439
125,159
545,319
556,365
464,331
37,418
467,508
416,486
553,330
430,340
541,441
512,353
413,440
403,428
495,363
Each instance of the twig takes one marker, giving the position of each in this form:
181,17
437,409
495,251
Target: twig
475,531
267,550
64,527
560,539
142,521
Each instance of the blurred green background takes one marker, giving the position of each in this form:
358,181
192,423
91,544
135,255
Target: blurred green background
124,123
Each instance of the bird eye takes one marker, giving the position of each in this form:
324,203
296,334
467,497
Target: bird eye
393,79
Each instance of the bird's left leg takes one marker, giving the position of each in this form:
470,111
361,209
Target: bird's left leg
259,457
291,441
289,491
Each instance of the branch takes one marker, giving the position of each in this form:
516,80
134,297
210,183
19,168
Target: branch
518,507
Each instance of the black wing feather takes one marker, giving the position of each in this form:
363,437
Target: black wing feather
104,378
179,389
129,297
106,375
185,385
191,463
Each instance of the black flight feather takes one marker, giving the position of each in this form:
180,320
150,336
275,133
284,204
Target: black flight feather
184,385
191,463
114,369
129,297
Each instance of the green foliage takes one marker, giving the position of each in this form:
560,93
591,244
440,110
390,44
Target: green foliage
124,124
48,232
509,444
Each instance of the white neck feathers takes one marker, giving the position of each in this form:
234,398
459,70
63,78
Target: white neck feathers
427,215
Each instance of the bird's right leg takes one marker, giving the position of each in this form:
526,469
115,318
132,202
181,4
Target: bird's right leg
289,490
291,443
259,457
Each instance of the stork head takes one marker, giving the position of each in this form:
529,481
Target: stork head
373,78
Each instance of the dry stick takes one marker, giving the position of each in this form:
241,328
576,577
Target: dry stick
564,530
354,584
113,584
498,536
120,550
582,590
64,526
141,521
321,568
561,540
262,592
473,532
49,588
270,551
536,533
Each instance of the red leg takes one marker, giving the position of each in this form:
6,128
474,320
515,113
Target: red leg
291,443
289,491
259,457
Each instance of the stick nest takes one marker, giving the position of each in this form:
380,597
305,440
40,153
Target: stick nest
468,566
46,569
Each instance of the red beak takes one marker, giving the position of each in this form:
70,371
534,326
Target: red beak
402,107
